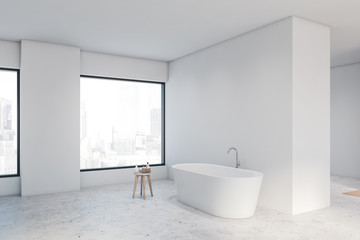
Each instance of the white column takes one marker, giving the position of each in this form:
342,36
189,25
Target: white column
311,116
49,119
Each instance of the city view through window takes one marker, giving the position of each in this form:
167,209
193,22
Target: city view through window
120,123
8,122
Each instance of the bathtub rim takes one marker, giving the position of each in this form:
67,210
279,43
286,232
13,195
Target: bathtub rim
259,174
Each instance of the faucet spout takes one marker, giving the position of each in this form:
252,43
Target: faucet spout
237,158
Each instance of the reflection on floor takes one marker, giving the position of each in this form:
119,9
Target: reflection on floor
111,213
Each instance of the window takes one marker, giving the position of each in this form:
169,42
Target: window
9,134
121,123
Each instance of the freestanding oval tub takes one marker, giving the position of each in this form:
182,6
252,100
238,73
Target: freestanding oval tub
221,191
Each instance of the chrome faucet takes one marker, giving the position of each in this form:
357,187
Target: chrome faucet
237,159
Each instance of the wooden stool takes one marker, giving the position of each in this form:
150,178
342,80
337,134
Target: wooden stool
142,189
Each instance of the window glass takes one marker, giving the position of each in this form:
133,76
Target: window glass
8,122
121,123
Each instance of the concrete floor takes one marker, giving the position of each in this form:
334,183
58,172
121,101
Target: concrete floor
110,213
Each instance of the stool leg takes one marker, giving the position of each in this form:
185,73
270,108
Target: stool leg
141,188
150,185
135,183
144,187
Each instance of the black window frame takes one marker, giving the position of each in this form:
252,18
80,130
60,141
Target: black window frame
18,121
162,120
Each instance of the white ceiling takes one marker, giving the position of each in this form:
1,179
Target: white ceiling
168,29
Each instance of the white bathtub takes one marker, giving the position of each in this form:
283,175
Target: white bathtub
221,191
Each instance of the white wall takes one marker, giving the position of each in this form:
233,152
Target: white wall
240,93
9,186
49,119
311,116
116,176
96,64
237,93
345,120
9,58
9,54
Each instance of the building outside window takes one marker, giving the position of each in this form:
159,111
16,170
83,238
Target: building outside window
121,123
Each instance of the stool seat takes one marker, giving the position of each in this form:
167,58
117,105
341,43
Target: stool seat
142,188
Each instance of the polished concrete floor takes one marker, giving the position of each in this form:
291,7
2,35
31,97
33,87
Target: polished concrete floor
110,213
